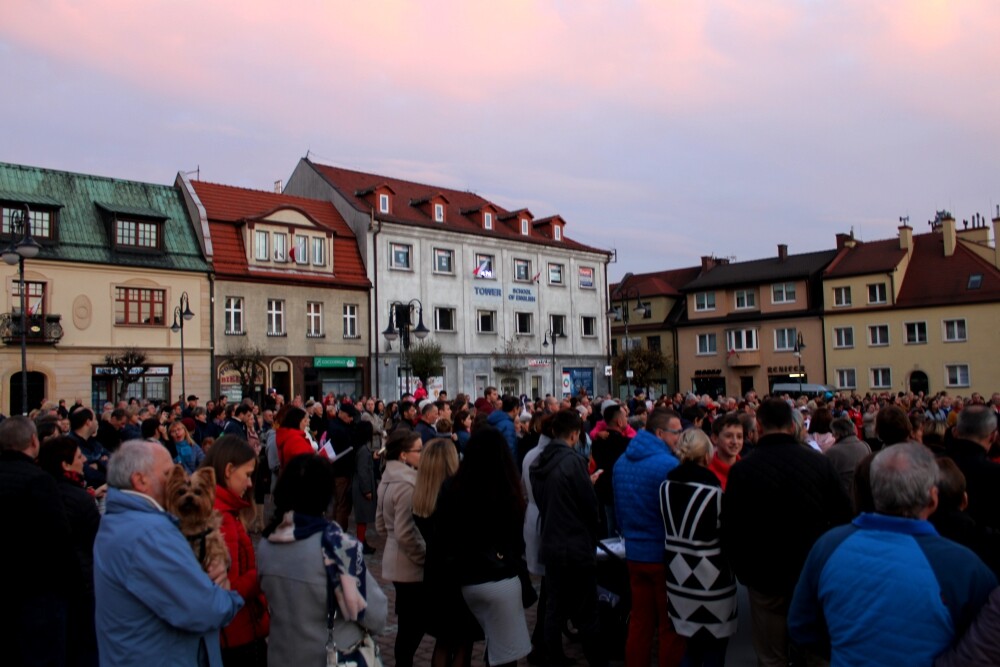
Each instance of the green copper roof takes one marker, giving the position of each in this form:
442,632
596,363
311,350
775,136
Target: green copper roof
88,201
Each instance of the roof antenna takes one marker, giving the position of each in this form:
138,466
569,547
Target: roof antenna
197,171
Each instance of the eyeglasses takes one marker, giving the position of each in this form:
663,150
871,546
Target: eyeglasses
674,431
415,450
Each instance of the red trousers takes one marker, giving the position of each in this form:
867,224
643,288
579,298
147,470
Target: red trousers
649,613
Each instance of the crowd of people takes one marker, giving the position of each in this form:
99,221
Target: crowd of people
865,528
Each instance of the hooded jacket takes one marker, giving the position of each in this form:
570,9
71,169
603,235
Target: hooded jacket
291,442
567,506
636,483
252,622
502,422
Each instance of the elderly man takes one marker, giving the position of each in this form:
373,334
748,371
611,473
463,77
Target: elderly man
155,605
975,433
887,589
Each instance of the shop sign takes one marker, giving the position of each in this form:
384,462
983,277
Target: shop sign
335,362
521,294
150,370
708,371
586,277
778,370
539,363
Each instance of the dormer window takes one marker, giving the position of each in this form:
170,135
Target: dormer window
487,220
281,247
438,212
975,280
41,222
524,226
557,232
137,234
383,203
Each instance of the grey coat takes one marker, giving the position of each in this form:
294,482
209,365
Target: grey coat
294,580
845,455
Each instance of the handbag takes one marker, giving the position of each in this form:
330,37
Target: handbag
365,653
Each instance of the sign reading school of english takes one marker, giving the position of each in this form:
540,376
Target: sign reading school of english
515,294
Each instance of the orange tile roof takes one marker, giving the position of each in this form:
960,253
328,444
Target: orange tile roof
661,283
461,208
879,256
229,208
935,280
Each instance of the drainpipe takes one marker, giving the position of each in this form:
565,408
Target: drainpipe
211,337
375,226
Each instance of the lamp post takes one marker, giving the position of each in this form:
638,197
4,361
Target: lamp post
800,371
399,327
620,313
182,312
16,253
554,336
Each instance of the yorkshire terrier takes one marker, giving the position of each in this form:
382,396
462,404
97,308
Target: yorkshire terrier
192,500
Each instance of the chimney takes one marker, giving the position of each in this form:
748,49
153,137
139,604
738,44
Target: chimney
948,232
707,263
905,238
996,239
277,186
782,252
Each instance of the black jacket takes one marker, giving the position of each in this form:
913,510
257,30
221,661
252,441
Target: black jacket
605,452
777,503
341,436
982,481
567,506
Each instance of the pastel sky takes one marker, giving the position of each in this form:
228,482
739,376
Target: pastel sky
664,129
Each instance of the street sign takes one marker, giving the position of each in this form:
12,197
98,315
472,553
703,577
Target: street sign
630,374
607,371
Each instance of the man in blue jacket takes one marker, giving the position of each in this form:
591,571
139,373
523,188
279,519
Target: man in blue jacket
503,421
638,474
887,589
155,604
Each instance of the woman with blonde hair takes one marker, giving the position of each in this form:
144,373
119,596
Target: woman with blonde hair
188,454
691,503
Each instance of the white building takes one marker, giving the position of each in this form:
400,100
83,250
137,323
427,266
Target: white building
489,281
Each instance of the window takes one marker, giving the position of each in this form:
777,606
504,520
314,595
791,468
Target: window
586,275
301,249
484,267
136,234
438,212
260,246
314,319
742,339
234,316
653,343
399,256
522,270
647,310
351,321
958,375
589,326
745,299
876,293
280,247
555,274
843,337
319,252
975,280
444,261
139,305
783,293
41,222
487,221
841,296
784,339
557,232
704,301
847,378
557,323
878,334
444,319
707,343
916,333
34,298
524,227
881,378
383,203
275,317
954,331
522,323
487,321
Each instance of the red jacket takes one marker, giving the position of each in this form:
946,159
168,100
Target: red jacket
291,442
252,621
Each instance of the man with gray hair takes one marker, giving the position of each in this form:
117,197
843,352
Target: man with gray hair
975,433
155,605
887,589
846,451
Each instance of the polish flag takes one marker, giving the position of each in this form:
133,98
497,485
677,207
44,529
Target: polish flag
482,267
291,254
537,276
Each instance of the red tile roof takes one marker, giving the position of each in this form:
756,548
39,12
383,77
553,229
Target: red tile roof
661,283
461,210
229,208
872,257
935,280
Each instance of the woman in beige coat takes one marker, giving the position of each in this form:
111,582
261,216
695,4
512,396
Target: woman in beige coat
403,560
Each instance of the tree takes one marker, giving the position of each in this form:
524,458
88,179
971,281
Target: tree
647,365
425,359
127,367
247,360
509,359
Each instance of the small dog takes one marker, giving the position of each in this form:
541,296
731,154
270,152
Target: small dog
192,500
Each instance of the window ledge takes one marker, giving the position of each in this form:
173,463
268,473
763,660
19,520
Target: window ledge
236,333
276,335
308,335
355,337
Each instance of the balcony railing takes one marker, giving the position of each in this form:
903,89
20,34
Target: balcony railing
42,329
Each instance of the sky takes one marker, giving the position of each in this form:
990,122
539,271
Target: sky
664,130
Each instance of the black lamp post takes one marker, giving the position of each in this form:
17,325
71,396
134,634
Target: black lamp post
16,253
182,312
399,327
620,313
801,370
554,336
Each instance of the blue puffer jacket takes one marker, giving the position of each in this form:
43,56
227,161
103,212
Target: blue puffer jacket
155,605
638,474
502,422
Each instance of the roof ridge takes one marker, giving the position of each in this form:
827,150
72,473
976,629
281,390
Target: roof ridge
81,174
400,180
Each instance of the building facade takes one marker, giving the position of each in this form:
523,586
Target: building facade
493,286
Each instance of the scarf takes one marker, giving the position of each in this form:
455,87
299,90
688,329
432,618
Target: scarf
342,558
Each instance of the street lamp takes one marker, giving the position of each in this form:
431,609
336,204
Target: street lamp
554,336
620,313
16,253
182,312
801,370
399,327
